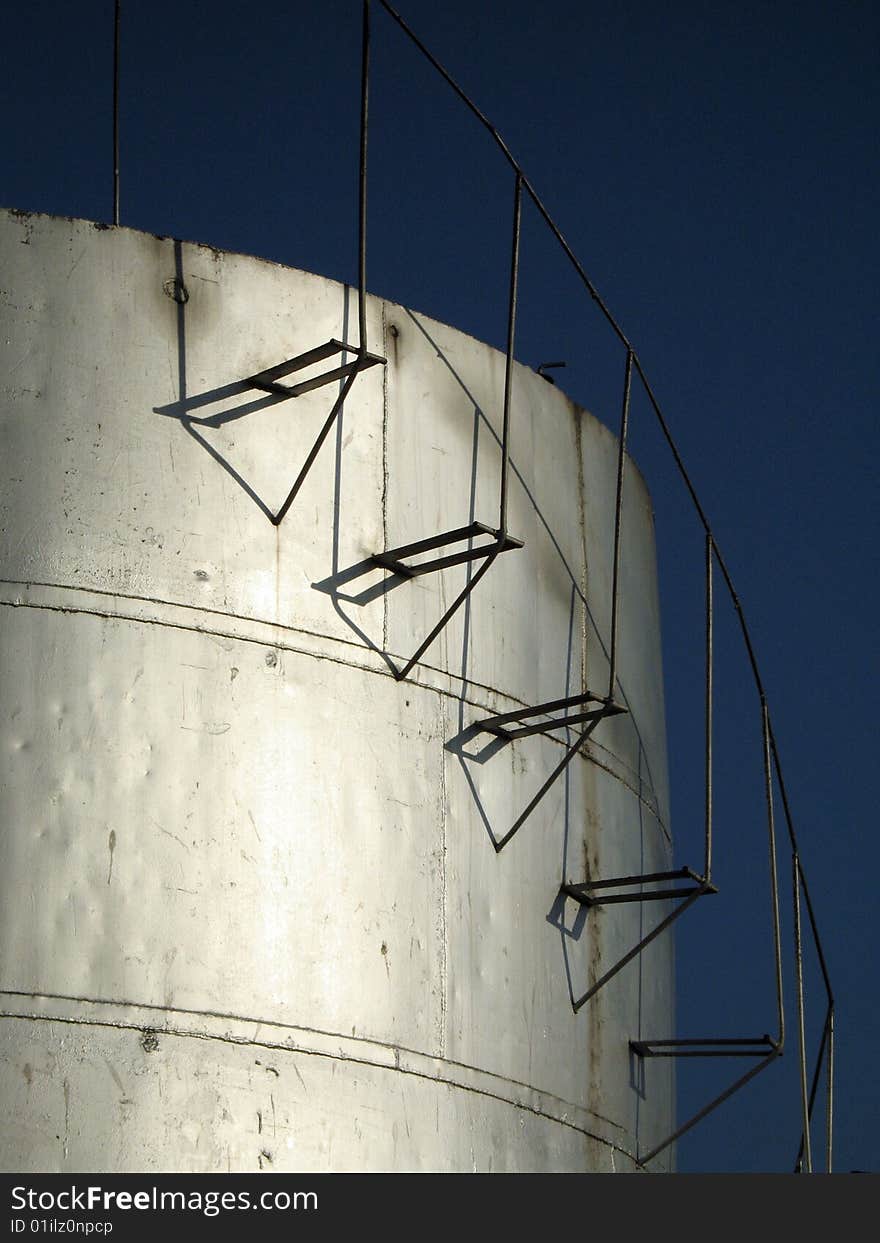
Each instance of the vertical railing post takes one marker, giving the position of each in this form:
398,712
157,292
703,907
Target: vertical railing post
362,183
116,20
618,505
508,364
807,1162
829,1099
774,879
707,869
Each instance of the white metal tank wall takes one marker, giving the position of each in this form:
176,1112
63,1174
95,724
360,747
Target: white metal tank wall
251,915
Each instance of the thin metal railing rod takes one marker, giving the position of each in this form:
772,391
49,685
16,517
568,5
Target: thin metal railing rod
817,941
591,288
116,24
664,427
465,99
820,953
802,1033
506,152
618,509
820,1056
829,1098
707,868
774,879
362,180
814,1086
508,362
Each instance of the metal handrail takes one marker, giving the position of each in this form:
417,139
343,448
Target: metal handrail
772,761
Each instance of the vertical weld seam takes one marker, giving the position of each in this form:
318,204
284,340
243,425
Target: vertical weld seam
443,929
385,370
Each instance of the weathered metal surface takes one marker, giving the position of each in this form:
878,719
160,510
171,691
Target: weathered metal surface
222,816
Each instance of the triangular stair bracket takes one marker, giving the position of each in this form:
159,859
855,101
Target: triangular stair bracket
268,380
394,558
586,709
586,893
574,710
761,1049
687,895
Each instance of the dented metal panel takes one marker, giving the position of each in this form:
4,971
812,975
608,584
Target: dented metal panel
251,911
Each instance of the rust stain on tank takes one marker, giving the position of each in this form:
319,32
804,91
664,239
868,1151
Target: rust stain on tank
111,846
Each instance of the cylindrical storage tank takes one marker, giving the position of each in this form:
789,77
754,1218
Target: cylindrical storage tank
252,914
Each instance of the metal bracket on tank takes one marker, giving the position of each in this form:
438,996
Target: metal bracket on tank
500,725
267,380
559,714
713,1046
393,558
765,1047
585,891
612,891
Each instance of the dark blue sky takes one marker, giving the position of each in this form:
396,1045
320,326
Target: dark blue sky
714,167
